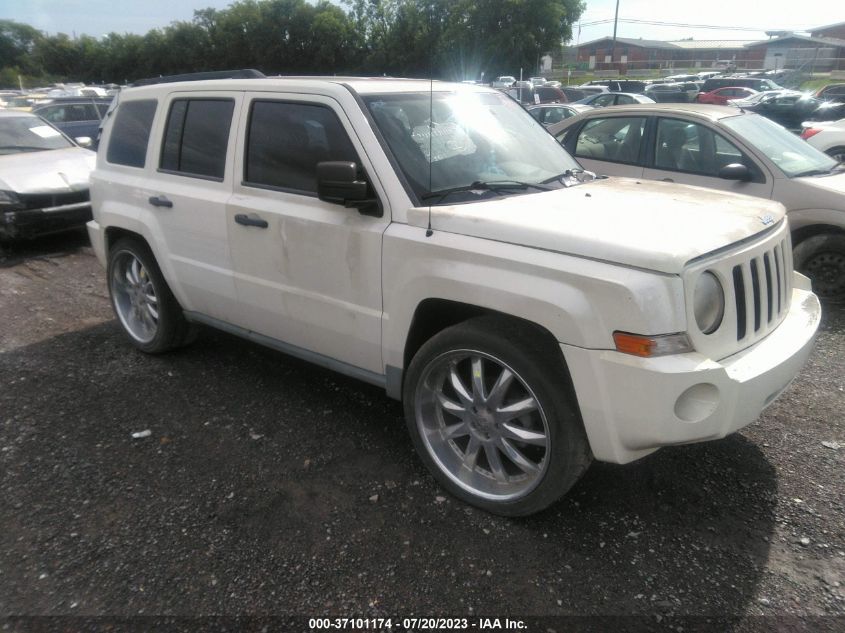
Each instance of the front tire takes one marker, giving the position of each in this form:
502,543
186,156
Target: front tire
147,311
822,259
490,410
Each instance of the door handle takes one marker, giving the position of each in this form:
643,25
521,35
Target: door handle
668,180
160,201
251,220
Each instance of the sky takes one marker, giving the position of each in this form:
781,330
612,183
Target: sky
99,17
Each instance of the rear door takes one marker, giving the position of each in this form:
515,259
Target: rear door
188,196
610,145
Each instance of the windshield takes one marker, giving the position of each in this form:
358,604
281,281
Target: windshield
470,137
794,156
29,134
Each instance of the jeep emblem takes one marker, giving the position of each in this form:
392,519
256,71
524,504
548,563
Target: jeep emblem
767,219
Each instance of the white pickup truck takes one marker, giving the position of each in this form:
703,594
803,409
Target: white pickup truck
434,240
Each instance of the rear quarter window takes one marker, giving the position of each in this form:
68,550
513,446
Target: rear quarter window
130,133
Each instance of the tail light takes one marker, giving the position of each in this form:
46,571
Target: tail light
807,132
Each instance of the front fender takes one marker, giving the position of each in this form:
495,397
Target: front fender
580,302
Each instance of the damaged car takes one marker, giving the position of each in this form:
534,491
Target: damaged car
43,178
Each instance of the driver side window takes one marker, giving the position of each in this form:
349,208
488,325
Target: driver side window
615,139
693,148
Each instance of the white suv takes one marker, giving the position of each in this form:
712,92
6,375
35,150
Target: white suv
443,246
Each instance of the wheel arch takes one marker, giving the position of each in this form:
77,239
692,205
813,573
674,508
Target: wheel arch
811,230
433,315
113,234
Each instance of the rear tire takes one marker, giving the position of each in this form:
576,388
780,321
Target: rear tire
822,259
145,307
837,153
491,411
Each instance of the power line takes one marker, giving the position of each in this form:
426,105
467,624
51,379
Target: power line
677,24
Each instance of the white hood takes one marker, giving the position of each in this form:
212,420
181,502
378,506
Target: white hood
652,225
48,171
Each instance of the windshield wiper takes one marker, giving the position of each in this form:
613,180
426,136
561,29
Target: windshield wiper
24,148
495,186
576,174
819,172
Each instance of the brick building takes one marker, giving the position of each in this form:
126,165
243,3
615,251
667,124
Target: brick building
822,51
639,54
836,31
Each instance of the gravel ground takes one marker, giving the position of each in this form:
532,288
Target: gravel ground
268,486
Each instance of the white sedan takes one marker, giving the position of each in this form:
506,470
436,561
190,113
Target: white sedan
827,136
43,178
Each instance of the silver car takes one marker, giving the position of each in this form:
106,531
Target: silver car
728,149
43,178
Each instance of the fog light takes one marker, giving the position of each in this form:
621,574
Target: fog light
697,403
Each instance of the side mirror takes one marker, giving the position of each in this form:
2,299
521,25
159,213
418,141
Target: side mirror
735,171
338,183
83,141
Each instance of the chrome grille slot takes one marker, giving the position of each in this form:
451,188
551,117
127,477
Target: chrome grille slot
760,291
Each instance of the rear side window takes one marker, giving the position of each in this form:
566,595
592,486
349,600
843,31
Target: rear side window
196,137
131,133
287,140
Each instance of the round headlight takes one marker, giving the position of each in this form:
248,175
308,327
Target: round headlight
708,303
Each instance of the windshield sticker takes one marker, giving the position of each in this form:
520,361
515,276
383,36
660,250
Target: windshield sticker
44,131
447,140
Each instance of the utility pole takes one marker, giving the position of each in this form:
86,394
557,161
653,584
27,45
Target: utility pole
613,45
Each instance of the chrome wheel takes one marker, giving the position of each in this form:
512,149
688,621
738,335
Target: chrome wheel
134,297
482,425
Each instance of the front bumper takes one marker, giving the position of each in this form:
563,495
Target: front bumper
28,223
632,406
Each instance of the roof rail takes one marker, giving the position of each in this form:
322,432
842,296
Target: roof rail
246,73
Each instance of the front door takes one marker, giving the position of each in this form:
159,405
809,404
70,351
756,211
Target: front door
692,154
308,272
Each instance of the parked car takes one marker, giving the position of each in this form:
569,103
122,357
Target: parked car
681,78
761,96
789,110
620,85
537,81
551,113
828,111
553,84
527,317
43,178
505,81
720,96
827,136
573,94
757,83
667,93
550,94
523,92
605,99
78,118
592,90
831,92
731,150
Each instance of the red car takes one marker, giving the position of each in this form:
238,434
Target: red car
720,96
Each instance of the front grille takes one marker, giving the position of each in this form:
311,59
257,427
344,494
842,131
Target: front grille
757,280
762,289
47,200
